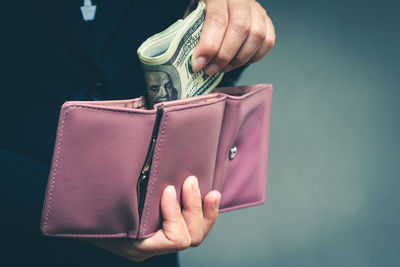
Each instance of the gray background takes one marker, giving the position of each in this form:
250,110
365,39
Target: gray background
333,180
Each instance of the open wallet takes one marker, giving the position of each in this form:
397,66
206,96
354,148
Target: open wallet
113,159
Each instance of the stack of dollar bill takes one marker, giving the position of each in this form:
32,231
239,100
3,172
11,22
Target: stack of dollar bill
166,61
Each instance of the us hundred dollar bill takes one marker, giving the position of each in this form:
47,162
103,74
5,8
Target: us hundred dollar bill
166,61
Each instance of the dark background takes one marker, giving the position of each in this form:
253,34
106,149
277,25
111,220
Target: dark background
334,158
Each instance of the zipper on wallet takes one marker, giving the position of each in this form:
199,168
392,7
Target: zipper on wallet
145,172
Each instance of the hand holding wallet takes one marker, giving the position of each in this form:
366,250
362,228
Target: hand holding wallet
112,159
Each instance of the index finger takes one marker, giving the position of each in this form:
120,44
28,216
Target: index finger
214,27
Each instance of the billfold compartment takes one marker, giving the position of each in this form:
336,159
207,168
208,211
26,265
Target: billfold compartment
101,147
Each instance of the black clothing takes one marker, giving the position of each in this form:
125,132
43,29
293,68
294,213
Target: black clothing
49,55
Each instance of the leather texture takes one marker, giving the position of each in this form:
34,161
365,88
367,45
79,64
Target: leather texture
101,146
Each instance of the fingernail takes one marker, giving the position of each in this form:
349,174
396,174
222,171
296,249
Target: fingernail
212,69
218,200
199,63
171,190
195,185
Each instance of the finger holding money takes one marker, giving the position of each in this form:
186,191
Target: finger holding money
235,33
267,44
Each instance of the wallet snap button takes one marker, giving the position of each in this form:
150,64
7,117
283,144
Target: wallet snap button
232,153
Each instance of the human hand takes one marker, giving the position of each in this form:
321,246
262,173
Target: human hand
180,228
235,33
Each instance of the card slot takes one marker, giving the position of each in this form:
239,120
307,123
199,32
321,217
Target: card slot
136,103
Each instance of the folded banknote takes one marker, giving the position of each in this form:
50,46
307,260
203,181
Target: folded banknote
166,61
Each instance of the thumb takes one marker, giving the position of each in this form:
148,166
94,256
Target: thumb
174,224
170,208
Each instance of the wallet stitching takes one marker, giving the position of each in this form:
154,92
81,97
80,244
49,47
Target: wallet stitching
204,105
52,188
111,110
187,102
155,171
60,234
267,121
55,170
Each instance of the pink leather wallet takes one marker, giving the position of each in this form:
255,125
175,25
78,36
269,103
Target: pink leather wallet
112,159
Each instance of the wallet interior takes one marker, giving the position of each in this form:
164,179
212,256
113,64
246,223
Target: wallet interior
140,102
